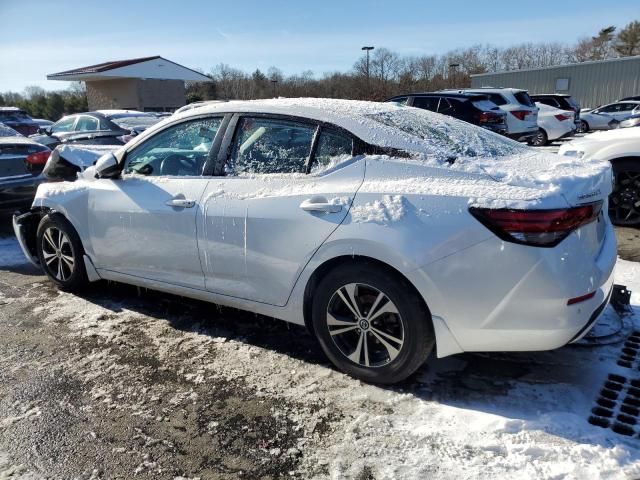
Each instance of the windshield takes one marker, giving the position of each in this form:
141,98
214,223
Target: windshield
447,137
137,121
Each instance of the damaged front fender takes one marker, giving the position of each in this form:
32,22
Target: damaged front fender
25,226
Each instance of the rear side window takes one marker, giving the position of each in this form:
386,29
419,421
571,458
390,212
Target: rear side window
269,145
552,102
64,125
427,103
333,148
86,124
523,98
445,107
496,98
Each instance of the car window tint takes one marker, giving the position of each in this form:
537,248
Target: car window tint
400,100
609,108
180,150
446,106
427,103
333,148
86,123
627,107
267,145
64,125
496,98
523,98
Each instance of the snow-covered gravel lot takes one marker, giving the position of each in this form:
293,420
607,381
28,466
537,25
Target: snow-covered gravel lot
121,383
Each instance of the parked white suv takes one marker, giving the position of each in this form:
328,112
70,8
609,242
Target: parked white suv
522,113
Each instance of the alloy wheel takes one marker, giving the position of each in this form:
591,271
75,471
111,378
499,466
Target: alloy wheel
624,202
365,325
57,253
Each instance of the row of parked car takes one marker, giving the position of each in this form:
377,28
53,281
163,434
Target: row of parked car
536,119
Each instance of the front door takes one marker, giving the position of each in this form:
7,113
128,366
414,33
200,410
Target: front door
144,224
263,221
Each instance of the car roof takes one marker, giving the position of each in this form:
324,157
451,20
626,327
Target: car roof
487,89
11,109
549,95
469,95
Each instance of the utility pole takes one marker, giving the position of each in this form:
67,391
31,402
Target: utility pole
453,68
368,49
274,82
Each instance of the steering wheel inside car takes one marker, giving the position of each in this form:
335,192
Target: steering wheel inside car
178,165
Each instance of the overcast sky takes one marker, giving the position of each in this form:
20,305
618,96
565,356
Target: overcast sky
41,37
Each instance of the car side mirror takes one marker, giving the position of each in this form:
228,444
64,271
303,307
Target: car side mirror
107,166
44,130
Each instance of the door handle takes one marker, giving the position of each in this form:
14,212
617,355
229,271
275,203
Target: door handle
181,203
319,204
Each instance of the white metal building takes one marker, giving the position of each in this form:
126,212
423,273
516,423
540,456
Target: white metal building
590,83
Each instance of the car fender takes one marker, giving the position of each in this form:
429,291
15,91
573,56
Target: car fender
70,199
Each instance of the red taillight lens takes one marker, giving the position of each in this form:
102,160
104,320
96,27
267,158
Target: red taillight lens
520,114
39,158
489,117
541,228
562,117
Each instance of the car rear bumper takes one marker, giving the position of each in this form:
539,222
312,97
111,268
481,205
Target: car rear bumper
522,136
498,296
17,193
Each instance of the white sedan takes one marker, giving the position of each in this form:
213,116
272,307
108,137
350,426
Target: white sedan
553,124
608,116
388,230
622,148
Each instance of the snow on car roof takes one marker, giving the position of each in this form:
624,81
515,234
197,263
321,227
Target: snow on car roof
382,124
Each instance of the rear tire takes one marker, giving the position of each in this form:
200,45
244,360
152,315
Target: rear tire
60,252
540,139
624,201
371,324
584,127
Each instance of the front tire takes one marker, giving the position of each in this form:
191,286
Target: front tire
624,201
584,127
371,324
60,252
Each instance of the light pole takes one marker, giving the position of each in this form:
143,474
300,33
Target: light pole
453,68
368,49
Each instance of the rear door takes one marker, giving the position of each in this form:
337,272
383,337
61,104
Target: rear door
263,219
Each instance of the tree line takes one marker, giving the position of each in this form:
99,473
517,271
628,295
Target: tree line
389,73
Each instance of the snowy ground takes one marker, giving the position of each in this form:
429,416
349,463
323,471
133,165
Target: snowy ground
125,384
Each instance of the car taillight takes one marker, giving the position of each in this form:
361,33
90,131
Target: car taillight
562,117
38,158
540,228
520,114
486,117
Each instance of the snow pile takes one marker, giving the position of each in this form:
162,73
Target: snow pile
390,209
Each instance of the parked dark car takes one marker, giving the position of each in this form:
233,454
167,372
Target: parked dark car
103,127
625,99
19,120
21,164
562,101
470,107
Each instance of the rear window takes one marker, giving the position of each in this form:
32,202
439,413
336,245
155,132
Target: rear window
136,122
446,137
8,131
14,116
573,103
523,98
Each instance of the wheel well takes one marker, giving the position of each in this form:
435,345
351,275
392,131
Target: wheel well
329,265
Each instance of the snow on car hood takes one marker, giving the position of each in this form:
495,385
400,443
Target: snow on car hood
84,156
622,134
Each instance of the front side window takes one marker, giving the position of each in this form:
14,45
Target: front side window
180,150
268,145
333,148
86,124
64,125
